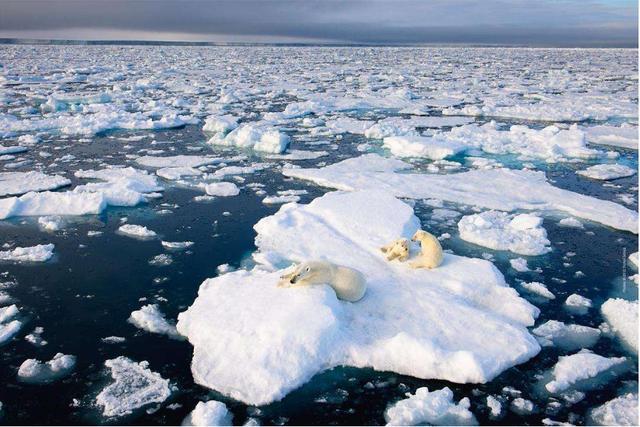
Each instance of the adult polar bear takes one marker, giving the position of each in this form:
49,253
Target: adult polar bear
256,342
349,284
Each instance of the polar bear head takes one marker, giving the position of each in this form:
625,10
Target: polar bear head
307,273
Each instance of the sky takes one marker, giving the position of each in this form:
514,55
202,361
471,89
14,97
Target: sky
503,22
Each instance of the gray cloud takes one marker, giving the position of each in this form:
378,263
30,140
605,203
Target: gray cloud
539,22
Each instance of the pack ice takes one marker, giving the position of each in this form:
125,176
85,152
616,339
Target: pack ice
256,342
499,189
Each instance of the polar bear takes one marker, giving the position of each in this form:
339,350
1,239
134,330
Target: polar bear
348,283
430,251
397,249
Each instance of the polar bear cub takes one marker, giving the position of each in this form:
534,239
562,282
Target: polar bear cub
430,251
397,249
348,283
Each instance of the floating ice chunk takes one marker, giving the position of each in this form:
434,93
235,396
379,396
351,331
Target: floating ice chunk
138,231
419,146
522,234
519,264
522,406
499,189
274,200
622,315
50,223
624,136
494,406
176,246
37,372
12,150
113,340
433,408
173,174
578,303
7,313
220,124
621,411
16,183
9,330
149,318
222,189
579,367
607,171
538,289
293,155
38,253
181,161
246,310
134,387
567,337
49,203
210,413
161,260
257,137
349,125
120,186
633,258
570,222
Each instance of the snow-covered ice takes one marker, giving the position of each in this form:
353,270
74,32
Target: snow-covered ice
607,171
241,320
418,146
622,315
222,189
432,408
538,289
621,411
209,413
570,370
568,337
38,253
17,183
622,136
37,372
149,318
257,137
137,231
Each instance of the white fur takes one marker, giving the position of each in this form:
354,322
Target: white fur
348,283
397,249
430,251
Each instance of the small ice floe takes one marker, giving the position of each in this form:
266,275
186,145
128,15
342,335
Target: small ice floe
499,189
567,337
621,411
220,124
137,231
50,203
120,186
578,304
625,136
622,316
633,259
210,413
38,253
35,337
113,340
522,406
285,196
222,189
181,161
161,260
17,183
37,372
293,155
433,408
134,387
607,172
176,246
482,312
519,264
259,137
50,223
538,289
571,370
9,330
570,222
12,149
522,234
420,146
176,173
149,318
495,406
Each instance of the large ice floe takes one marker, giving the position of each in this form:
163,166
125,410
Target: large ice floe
622,316
522,234
431,408
499,189
134,386
460,322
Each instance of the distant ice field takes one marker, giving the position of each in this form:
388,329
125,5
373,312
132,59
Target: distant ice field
151,196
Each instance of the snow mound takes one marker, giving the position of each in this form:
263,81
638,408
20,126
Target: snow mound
37,372
499,189
579,367
607,172
621,411
38,253
622,315
134,387
222,189
149,318
138,231
16,183
432,408
258,137
522,234
210,413
240,323
420,146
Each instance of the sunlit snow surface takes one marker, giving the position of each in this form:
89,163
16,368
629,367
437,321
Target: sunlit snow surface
146,168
